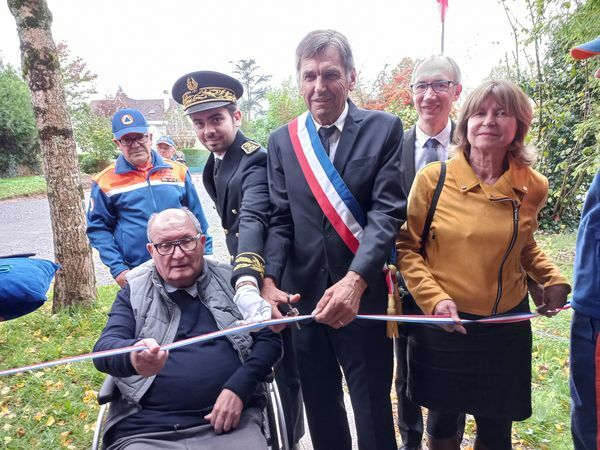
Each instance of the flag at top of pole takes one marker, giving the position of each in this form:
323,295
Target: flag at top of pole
443,7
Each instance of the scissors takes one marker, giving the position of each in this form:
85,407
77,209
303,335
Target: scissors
289,310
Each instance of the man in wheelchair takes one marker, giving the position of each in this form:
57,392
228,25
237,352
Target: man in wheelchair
205,395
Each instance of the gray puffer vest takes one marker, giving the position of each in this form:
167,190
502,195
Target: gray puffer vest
157,316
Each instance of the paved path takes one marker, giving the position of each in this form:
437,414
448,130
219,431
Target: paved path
25,228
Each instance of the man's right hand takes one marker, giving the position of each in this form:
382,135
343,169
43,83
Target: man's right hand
120,279
275,296
150,361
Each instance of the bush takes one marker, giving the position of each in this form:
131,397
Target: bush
195,158
93,135
91,163
19,145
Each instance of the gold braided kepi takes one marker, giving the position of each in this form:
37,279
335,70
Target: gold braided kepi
205,89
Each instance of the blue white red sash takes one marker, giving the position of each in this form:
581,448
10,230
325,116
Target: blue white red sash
333,196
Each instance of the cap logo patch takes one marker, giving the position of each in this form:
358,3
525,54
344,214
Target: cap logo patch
192,84
127,119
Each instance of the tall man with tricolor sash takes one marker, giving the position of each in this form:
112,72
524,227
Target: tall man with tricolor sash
337,206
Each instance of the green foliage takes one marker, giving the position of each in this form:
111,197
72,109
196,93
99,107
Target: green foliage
22,186
195,158
93,134
390,92
19,145
255,86
566,126
78,80
54,407
285,103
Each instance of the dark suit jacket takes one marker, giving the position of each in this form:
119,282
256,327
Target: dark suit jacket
407,167
241,196
303,252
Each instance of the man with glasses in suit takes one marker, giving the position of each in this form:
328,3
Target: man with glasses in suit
435,87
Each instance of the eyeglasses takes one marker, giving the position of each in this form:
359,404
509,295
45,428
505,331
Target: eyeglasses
128,141
185,245
438,86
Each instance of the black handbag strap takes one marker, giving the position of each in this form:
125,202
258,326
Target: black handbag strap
434,202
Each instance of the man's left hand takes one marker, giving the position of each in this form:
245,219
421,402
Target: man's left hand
226,413
339,304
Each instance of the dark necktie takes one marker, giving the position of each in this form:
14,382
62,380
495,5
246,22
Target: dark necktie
324,135
216,168
431,150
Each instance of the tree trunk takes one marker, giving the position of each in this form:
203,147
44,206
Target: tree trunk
76,282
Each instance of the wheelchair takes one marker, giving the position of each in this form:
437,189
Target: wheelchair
274,427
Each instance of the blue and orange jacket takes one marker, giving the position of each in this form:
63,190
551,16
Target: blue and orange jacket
122,200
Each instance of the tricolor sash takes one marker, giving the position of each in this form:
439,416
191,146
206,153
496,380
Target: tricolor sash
329,189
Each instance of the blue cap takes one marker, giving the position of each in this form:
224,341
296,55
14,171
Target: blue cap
586,50
127,121
166,139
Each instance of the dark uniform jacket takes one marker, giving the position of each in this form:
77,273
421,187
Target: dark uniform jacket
303,252
241,196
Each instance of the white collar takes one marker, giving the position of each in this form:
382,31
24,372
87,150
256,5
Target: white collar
192,290
443,137
339,123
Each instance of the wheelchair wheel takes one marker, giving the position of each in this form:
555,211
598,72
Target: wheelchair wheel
275,429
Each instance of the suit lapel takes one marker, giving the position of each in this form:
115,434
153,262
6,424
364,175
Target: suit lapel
408,157
348,137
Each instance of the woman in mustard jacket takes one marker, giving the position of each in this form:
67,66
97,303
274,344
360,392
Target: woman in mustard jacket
475,262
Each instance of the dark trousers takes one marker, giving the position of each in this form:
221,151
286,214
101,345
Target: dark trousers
365,355
288,382
585,377
410,419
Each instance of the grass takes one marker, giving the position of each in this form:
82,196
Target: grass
21,186
56,407
549,426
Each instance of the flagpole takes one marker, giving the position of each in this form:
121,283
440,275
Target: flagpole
443,26
443,7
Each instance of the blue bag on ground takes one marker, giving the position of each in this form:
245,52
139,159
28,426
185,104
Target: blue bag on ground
23,285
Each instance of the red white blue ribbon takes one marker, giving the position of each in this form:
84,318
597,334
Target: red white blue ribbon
246,328
329,189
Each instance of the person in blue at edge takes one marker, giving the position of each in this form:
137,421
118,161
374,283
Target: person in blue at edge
125,194
585,324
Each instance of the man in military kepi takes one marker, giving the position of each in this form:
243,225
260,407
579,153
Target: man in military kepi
235,177
235,173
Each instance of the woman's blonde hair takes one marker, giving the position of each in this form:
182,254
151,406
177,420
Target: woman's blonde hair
514,101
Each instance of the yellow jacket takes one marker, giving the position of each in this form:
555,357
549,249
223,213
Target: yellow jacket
475,255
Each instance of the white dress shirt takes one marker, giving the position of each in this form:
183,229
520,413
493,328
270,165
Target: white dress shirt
443,137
